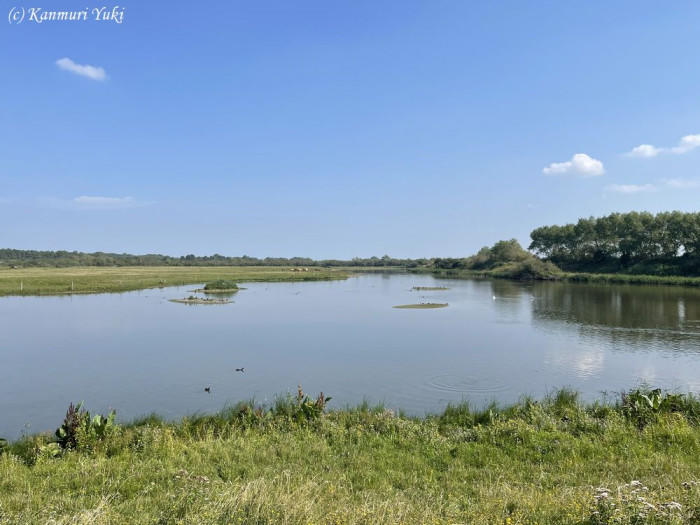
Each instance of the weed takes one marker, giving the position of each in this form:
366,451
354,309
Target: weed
81,430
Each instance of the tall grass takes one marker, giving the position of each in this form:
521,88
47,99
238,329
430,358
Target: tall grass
555,460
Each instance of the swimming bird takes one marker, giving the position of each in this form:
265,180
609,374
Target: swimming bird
207,389
242,369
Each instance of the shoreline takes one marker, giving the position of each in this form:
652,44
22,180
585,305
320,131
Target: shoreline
97,280
574,277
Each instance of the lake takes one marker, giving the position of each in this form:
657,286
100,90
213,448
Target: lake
138,353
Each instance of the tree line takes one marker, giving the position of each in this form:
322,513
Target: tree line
61,258
636,242
665,243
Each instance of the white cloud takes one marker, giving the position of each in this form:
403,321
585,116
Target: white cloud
686,144
630,188
644,151
105,203
93,72
579,163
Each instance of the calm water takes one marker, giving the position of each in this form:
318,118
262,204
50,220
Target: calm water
138,353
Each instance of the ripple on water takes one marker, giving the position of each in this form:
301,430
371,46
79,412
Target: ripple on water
465,384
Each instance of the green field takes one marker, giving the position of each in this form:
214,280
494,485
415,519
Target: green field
555,461
49,281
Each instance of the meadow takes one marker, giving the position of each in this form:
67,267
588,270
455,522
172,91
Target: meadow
632,460
52,281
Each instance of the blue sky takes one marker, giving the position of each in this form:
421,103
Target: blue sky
341,129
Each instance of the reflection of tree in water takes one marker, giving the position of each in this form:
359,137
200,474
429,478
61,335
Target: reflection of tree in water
623,313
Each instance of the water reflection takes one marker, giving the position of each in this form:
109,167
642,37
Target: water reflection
652,317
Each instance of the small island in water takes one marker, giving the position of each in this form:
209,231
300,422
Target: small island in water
220,286
200,300
422,305
429,288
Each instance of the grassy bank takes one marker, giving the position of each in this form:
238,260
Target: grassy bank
598,278
621,278
48,281
555,461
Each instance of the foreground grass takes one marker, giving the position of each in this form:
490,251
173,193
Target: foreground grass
543,463
48,281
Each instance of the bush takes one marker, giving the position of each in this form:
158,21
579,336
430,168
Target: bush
506,259
529,270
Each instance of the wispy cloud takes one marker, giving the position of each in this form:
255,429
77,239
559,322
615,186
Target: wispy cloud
686,144
580,163
93,72
660,185
93,202
630,188
682,183
106,203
